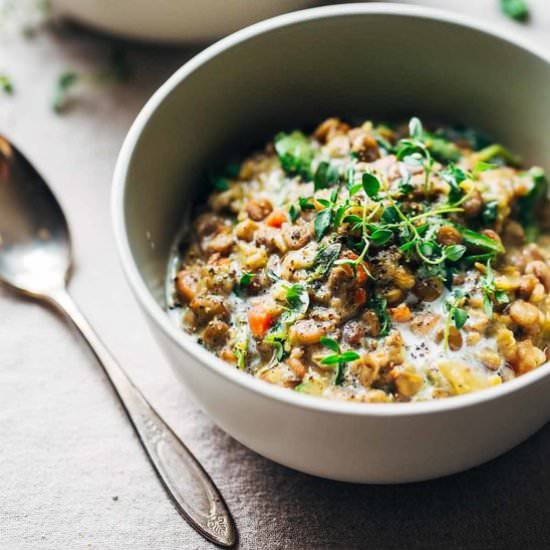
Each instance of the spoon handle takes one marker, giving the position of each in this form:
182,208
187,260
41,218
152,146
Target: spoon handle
194,494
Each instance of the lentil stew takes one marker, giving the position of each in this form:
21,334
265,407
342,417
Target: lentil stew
375,263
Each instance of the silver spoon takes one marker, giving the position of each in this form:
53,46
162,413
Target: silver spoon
35,259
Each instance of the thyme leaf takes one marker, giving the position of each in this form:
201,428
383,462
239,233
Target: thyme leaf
338,359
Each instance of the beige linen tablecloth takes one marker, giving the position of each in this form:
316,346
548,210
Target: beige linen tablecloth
72,474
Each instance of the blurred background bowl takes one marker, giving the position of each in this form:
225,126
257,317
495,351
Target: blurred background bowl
168,21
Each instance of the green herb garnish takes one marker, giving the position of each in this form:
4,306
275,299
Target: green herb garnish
527,204
490,293
325,257
220,184
455,314
371,185
65,82
324,218
277,338
6,85
380,306
441,149
478,241
240,349
322,222
454,252
415,152
244,282
515,9
483,167
293,213
338,359
295,153
246,279
454,176
325,175
305,204
297,301
499,155
297,297
489,213
221,180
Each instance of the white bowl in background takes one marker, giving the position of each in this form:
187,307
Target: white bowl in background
186,21
372,60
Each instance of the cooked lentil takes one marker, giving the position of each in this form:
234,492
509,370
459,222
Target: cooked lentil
372,263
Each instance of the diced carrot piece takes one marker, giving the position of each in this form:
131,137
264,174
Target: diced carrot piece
361,274
361,271
260,320
360,296
276,218
401,313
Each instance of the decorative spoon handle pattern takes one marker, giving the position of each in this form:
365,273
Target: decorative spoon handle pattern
192,490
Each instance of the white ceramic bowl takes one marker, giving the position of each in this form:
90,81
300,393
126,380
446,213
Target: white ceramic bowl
376,60
173,20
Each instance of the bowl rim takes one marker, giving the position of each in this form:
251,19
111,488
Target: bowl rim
183,340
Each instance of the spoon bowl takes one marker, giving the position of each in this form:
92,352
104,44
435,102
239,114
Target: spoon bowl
35,247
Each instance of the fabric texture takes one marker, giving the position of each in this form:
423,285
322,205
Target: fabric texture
72,474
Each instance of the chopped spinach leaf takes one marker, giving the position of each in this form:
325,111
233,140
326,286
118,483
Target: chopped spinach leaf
325,257
325,175
295,153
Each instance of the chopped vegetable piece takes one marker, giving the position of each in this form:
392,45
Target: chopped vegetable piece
276,218
515,9
65,82
260,320
6,85
295,153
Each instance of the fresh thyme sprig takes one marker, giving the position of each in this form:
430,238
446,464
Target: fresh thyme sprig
491,294
297,304
330,213
415,152
455,313
244,282
338,358
378,213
